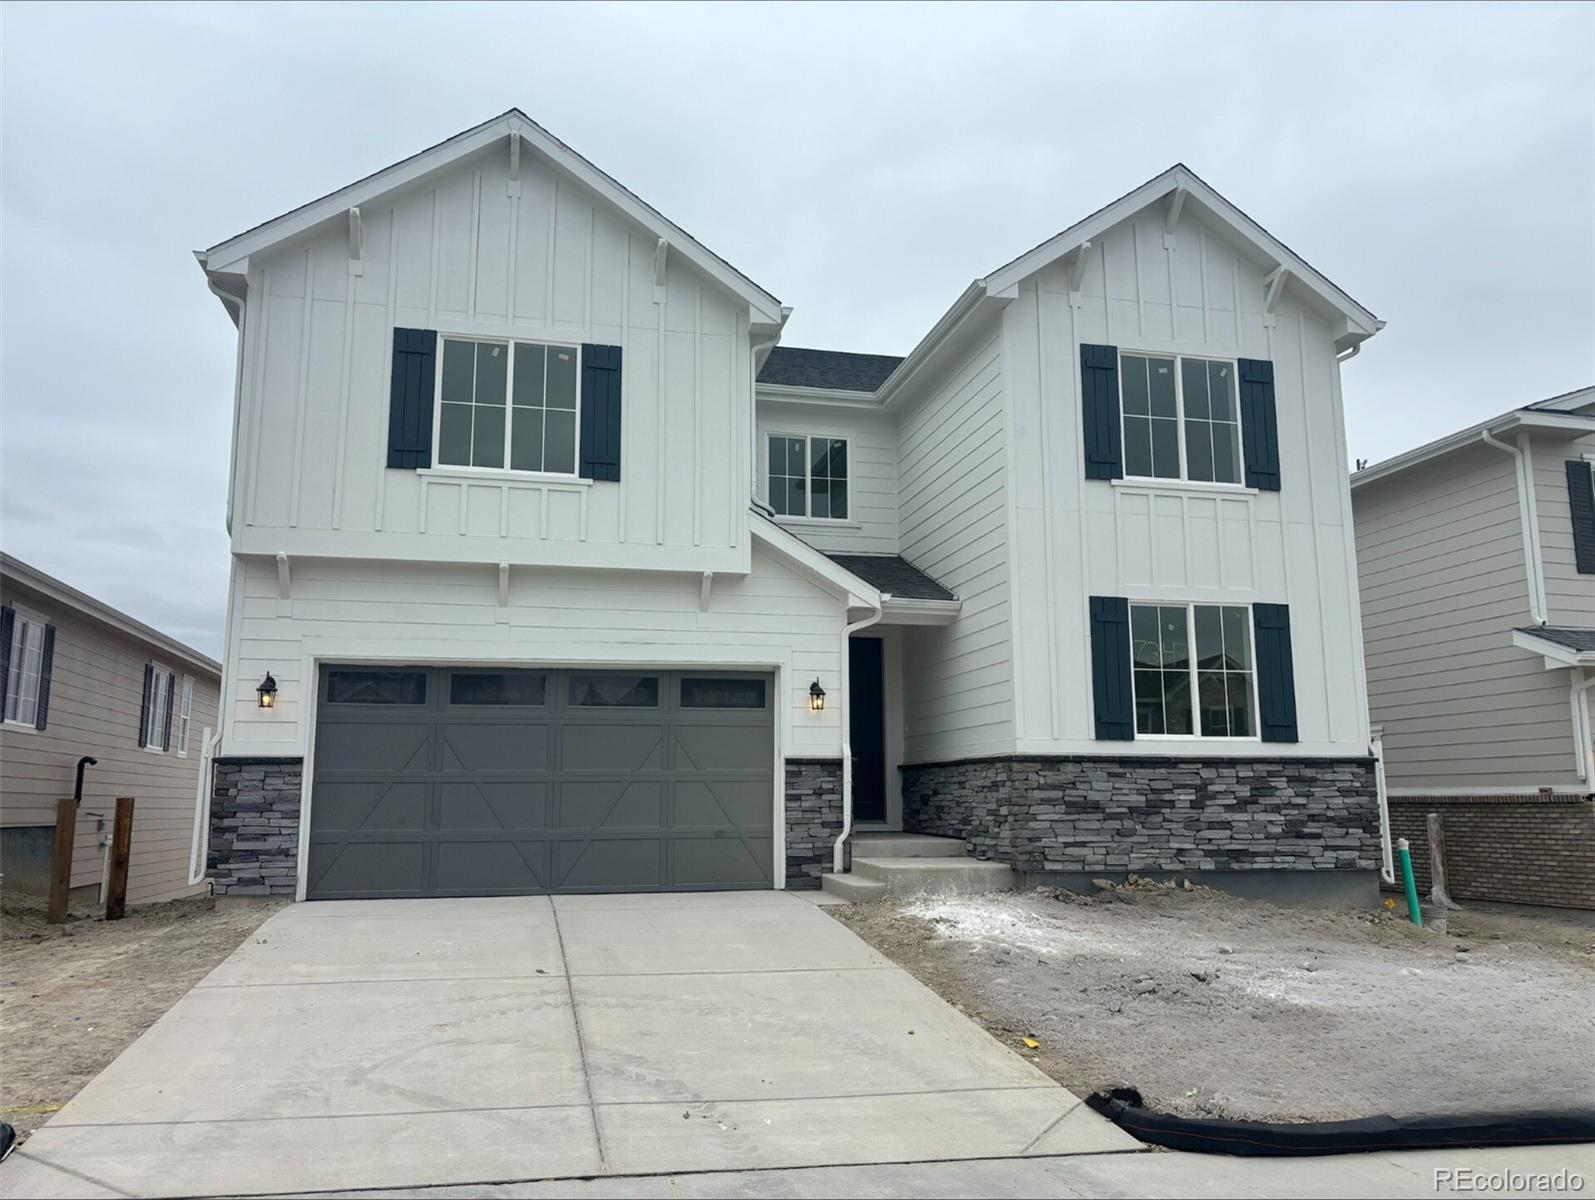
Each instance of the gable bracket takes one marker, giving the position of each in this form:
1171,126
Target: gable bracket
503,585
357,243
661,255
284,581
704,589
1272,286
1171,217
1077,266
513,188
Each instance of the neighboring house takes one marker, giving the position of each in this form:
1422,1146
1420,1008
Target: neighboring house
80,678
569,578
1477,561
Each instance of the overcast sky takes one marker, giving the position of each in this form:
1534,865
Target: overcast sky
863,163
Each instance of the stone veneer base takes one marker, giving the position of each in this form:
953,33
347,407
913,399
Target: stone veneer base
1071,818
254,826
813,818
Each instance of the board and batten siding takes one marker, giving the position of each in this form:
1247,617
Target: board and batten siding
96,692
871,525
1569,596
952,498
459,254
1441,564
1192,293
418,613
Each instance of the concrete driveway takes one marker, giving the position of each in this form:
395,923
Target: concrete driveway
392,1043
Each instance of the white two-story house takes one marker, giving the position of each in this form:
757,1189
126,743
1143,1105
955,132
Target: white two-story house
553,571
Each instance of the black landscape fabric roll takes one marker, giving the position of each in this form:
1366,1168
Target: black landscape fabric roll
1262,1139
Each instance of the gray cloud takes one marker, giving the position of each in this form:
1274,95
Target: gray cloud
862,162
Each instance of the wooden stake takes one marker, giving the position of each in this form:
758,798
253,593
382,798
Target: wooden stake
1437,892
66,827
121,847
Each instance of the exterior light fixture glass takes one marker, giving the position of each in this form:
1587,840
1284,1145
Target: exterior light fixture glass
816,697
267,691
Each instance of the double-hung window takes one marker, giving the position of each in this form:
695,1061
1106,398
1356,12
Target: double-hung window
1180,692
808,476
508,404
1181,418
155,732
25,667
185,712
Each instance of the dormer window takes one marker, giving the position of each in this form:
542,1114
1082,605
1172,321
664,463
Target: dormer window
808,476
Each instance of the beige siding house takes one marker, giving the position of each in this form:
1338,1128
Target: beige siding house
81,678
1476,558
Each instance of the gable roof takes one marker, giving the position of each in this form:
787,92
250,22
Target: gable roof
1570,413
1177,184
831,370
230,257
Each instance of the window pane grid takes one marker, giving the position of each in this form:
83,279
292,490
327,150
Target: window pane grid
508,404
1181,418
1175,689
808,476
22,684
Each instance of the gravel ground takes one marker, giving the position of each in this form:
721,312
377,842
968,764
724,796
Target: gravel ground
1213,1005
74,996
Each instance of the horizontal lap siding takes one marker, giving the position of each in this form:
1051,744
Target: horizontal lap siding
1440,560
952,479
1570,597
95,693
872,474
420,612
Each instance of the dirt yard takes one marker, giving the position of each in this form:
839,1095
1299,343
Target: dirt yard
73,996
1217,1006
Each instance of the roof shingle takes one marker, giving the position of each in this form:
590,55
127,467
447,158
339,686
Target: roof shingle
836,370
893,574
1580,640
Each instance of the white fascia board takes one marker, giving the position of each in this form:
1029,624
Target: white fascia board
898,611
1361,323
1523,418
970,303
67,596
228,256
1555,654
814,564
786,393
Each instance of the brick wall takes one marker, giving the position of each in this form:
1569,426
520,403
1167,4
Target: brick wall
813,818
254,826
1521,849
1147,814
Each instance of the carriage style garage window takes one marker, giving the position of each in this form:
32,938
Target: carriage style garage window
508,404
1181,418
808,476
1167,675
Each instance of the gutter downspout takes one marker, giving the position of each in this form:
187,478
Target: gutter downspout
1581,728
1387,854
200,849
1528,513
239,303
839,851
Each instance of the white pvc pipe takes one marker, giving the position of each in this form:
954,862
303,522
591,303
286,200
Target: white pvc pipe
839,850
1528,514
1387,865
201,842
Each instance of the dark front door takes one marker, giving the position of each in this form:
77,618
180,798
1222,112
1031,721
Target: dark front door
867,728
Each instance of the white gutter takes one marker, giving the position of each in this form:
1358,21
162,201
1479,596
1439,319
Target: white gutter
1582,740
200,849
230,301
1387,855
1528,513
839,851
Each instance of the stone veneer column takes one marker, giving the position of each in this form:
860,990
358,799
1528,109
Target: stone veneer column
813,818
254,826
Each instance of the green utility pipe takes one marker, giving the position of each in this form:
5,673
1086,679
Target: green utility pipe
1405,854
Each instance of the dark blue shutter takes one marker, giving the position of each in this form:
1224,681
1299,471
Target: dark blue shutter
410,396
46,663
1110,668
1276,672
166,725
1259,427
1099,412
8,618
144,707
1581,501
600,440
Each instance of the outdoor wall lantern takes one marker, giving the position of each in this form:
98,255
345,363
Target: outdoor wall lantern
816,697
268,691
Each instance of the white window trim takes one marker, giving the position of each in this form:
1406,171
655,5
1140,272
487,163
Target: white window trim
1183,479
1190,607
183,715
808,481
157,720
30,618
506,471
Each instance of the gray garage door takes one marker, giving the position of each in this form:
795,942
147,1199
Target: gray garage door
434,781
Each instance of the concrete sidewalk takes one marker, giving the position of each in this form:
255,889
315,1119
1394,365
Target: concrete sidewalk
400,1044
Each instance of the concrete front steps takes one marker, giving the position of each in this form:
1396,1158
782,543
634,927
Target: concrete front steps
894,864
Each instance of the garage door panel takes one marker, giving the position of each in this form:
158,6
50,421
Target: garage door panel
611,746
376,807
721,862
737,747
340,870
481,868
375,745
495,746
610,864
612,804
486,805
723,804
